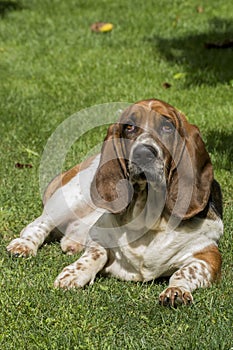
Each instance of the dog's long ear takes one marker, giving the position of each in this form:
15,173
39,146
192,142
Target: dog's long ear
191,175
110,188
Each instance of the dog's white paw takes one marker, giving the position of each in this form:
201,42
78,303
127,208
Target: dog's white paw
21,247
74,277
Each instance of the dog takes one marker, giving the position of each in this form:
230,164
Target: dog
146,207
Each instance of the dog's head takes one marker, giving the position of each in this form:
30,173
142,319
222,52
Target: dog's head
153,143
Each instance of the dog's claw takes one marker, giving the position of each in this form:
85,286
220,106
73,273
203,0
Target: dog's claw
174,296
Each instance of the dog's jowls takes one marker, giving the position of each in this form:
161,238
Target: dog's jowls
147,206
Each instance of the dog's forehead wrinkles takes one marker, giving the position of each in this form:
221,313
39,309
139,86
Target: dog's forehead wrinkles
160,108
143,117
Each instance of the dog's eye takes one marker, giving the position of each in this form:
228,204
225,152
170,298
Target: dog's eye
129,128
167,127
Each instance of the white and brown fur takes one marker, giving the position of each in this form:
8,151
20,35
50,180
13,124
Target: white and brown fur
139,216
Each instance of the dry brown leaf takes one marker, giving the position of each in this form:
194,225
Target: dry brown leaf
166,85
22,165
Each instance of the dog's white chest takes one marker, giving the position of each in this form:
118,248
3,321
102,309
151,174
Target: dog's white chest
160,253
151,255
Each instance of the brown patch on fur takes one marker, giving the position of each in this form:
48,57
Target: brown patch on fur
62,179
204,269
80,267
192,272
52,187
213,258
68,175
95,254
66,275
182,274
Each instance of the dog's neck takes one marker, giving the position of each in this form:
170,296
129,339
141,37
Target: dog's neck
145,208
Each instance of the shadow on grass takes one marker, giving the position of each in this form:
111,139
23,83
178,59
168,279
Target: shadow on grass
220,143
8,6
207,57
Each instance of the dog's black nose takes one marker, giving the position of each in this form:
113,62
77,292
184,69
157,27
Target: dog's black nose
144,154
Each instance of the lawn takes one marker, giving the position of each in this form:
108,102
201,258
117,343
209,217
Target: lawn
52,66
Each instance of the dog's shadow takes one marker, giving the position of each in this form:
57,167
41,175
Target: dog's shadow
206,58
8,6
219,144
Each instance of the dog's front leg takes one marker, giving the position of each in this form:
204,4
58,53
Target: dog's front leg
85,269
201,272
57,212
31,237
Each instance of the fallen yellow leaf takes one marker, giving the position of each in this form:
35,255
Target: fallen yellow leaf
106,27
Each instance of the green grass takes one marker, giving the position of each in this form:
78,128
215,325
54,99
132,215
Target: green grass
51,66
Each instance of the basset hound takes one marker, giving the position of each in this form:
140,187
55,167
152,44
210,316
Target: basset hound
146,207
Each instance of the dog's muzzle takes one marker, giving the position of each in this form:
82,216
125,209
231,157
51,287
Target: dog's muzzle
146,164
